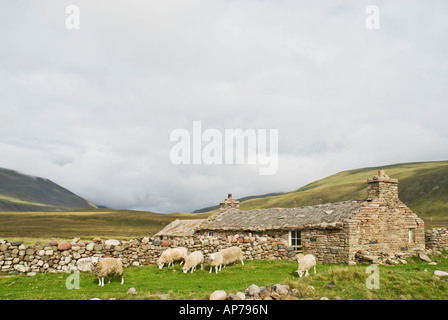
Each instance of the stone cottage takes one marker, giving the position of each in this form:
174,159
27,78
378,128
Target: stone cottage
333,232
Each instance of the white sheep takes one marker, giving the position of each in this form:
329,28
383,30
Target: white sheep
216,261
231,255
103,267
192,262
173,254
305,263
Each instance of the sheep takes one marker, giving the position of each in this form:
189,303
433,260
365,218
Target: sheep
305,263
192,261
173,254
216,261
232,254
102,267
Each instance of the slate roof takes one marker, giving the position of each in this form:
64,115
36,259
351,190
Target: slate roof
328,216
180,228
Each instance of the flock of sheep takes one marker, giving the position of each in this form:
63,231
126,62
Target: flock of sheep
108,267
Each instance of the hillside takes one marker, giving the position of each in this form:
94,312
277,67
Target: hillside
20,192
423,187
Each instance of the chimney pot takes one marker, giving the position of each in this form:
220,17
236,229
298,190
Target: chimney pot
229,196
381,173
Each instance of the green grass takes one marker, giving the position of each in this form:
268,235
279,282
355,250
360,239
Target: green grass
408,282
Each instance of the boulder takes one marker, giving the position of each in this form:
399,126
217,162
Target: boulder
252,290
241,295
439,273
424,257
64,246
265,294
20,268
165,243
53,243
218,295
281,289
112,242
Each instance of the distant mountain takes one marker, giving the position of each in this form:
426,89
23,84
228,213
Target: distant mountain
423,186
20,192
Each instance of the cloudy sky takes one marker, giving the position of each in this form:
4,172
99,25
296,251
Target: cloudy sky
93,108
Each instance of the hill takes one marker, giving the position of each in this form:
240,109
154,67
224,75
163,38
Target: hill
20,192
423,187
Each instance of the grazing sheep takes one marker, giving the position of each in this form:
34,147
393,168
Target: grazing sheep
305,263
231,255
173,254
216,261
192,262
103,267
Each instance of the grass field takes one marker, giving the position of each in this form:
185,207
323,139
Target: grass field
85,224
337,281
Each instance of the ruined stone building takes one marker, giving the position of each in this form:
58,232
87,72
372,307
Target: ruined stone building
333,232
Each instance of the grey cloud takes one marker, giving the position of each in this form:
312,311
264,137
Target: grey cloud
93,109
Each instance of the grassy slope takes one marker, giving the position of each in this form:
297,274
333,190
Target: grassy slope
19,192
86,224
423,187
408,282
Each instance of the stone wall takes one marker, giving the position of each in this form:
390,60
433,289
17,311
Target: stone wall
327,245
380,227
58,257
437,239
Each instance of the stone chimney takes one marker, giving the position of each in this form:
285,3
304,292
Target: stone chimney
229,203
382,187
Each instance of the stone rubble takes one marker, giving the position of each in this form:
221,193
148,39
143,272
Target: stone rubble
254,292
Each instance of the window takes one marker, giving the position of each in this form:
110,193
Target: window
210,233
411,235
295,239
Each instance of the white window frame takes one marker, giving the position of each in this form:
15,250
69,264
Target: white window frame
291,237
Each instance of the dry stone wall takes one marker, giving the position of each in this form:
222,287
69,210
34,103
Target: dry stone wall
58,257
328,246
437,239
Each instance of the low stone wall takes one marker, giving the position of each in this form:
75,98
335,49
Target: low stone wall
58,257
436,239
